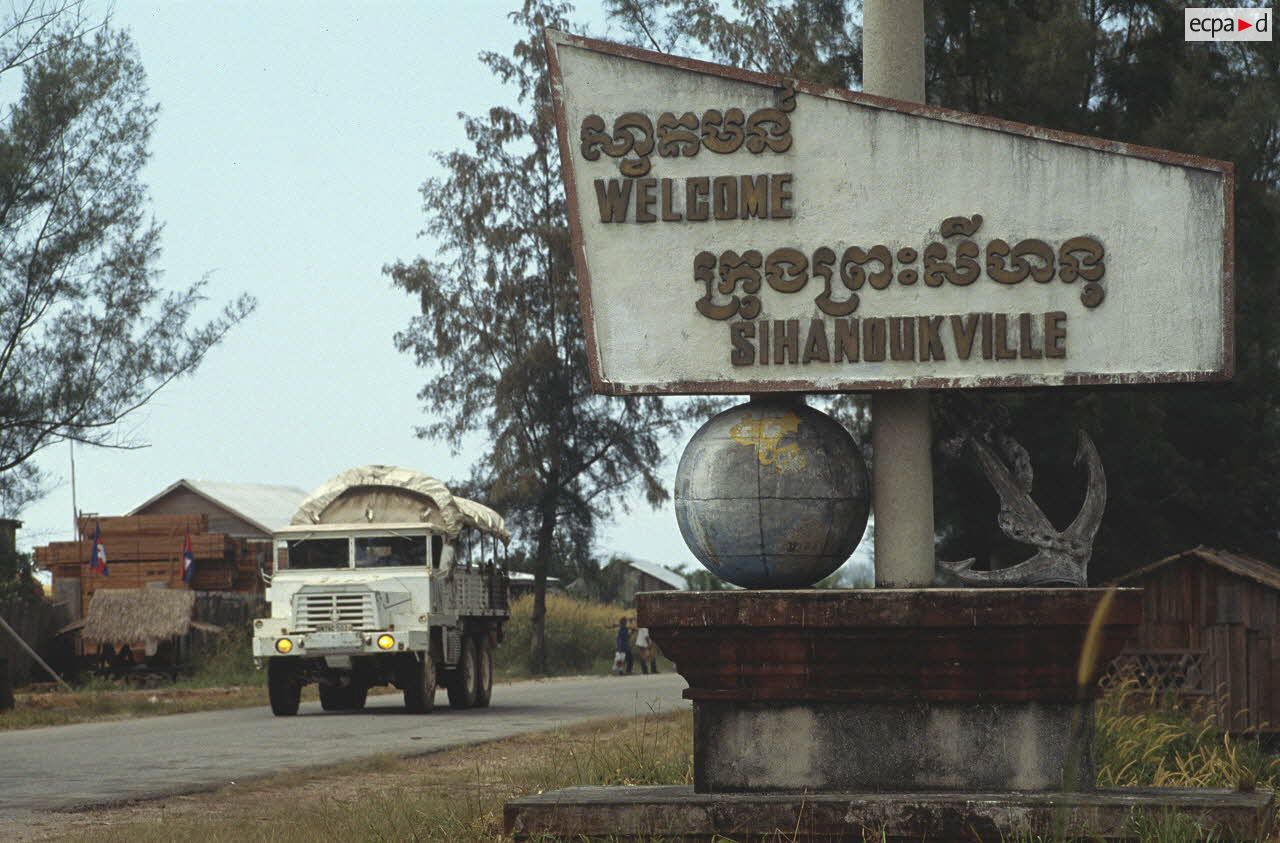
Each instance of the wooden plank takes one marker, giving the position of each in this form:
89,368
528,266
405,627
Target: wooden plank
1238,694
1273,678
1218,669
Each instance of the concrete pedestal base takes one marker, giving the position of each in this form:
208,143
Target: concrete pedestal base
677,813
757,747
891,689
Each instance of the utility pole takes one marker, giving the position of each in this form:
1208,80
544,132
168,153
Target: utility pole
75,513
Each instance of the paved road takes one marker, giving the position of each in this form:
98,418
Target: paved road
66,767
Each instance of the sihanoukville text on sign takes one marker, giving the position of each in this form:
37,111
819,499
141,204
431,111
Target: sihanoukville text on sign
736,232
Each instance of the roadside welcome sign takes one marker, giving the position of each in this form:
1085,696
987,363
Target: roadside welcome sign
736,232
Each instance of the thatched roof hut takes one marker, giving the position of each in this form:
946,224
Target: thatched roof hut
127,615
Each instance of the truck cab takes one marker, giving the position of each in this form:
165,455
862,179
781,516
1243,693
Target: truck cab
384,578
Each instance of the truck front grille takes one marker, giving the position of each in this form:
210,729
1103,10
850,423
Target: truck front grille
339,610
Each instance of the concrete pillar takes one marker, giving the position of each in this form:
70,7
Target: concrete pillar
893,49
902,475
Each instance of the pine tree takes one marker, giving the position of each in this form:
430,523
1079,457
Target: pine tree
501,337
87,334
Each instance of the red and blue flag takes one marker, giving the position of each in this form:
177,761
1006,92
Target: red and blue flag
188,560
98,561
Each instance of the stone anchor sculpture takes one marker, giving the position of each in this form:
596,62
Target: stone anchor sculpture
1062,558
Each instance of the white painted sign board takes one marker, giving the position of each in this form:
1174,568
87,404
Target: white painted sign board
740,233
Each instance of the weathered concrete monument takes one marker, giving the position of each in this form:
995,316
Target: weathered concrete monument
738,233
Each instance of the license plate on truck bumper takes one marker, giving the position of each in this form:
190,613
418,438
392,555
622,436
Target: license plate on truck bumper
328,642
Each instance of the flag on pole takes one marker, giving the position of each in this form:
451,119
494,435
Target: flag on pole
98,561
188,559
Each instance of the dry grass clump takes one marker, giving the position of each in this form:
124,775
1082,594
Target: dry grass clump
136,614
1145,740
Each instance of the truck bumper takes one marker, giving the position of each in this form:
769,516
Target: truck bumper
318,644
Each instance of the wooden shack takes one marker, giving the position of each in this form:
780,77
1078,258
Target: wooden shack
1209,631
637,575
153,622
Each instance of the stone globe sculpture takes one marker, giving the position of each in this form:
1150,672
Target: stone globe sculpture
772,494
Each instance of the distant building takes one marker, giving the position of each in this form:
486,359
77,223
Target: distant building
637,576
1210,631
521,584
240,510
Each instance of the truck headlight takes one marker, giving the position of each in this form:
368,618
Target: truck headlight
284,646
386,642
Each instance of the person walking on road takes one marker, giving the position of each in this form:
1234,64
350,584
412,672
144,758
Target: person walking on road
622,648
646,651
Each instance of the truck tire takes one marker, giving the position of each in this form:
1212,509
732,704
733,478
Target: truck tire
484,672
463,678
332,697
343,697
420,690
283,689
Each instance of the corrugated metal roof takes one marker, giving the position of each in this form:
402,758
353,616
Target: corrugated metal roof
656,571
268,507
1238,564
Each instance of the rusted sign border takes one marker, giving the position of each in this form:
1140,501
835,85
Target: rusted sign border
556,39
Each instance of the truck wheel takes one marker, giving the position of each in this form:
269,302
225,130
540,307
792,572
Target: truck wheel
462,679
335,697
420,691
358,695
282,687
484,672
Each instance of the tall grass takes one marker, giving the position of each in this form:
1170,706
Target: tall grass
1145,740
579,636
225,659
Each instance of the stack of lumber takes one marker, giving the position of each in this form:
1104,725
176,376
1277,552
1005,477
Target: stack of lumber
252,553
144,550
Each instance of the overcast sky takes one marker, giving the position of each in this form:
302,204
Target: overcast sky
291,142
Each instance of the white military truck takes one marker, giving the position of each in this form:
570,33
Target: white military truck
384,578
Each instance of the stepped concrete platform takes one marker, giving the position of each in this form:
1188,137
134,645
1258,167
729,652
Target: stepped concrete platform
626,814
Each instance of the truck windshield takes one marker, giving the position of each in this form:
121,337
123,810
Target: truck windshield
318,553
391,552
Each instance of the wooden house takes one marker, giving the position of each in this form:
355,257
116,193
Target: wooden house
1210,630
240,510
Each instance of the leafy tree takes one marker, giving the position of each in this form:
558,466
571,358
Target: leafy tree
87,335
1185,465
700,579
17,576
500,334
